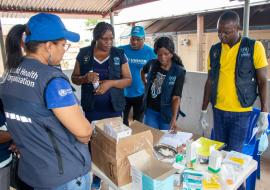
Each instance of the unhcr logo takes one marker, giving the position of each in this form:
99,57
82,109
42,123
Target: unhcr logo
86,59
172,80
245,52
116,61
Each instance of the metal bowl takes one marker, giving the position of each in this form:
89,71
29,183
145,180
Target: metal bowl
160,149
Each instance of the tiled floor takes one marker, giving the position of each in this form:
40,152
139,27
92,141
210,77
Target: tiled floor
264,182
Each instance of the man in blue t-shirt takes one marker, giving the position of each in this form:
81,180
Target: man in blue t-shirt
138,54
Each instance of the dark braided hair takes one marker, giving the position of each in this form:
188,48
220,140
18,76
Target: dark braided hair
167,43
99,31
14,44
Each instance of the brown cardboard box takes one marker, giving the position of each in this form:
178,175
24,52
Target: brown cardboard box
111,157
137,126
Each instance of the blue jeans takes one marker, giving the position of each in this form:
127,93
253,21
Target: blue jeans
231,128
154,120
80,183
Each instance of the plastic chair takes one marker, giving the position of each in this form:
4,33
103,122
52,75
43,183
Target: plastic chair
251,147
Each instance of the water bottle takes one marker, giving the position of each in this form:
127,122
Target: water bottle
95,84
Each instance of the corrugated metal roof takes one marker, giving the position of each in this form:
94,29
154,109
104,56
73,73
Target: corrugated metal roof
259,19
18,8
69,8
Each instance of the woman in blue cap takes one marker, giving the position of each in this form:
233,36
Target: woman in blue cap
38,102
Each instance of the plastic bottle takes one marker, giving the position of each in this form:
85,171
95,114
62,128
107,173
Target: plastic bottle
191,153
215,161
95,84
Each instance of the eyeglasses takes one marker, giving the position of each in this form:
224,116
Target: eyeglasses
67,46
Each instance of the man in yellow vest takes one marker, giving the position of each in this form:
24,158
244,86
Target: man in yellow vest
237,73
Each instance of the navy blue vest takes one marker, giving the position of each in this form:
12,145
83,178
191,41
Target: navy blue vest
245,73
166,88
87,90
50,154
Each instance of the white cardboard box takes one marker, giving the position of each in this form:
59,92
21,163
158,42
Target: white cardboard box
150,173
117,130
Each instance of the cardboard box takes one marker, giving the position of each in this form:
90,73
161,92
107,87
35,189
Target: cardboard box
111,157
137,126
117,130
149,173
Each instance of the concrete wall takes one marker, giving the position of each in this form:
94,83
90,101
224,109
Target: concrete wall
190,104
188,53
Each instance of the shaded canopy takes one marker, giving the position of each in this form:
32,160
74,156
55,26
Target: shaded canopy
259,19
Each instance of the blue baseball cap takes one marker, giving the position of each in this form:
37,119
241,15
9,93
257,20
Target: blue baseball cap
137,31
48,27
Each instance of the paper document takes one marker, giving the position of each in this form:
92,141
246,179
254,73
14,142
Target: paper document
175,140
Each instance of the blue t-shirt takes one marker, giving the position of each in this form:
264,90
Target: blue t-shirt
59,94
136,60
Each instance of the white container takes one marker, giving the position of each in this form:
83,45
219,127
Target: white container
177,180
215,160
95,84
191,151
116,130
136,176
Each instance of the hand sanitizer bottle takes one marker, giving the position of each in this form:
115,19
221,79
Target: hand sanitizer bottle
95,84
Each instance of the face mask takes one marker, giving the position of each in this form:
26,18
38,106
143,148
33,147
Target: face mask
263,144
